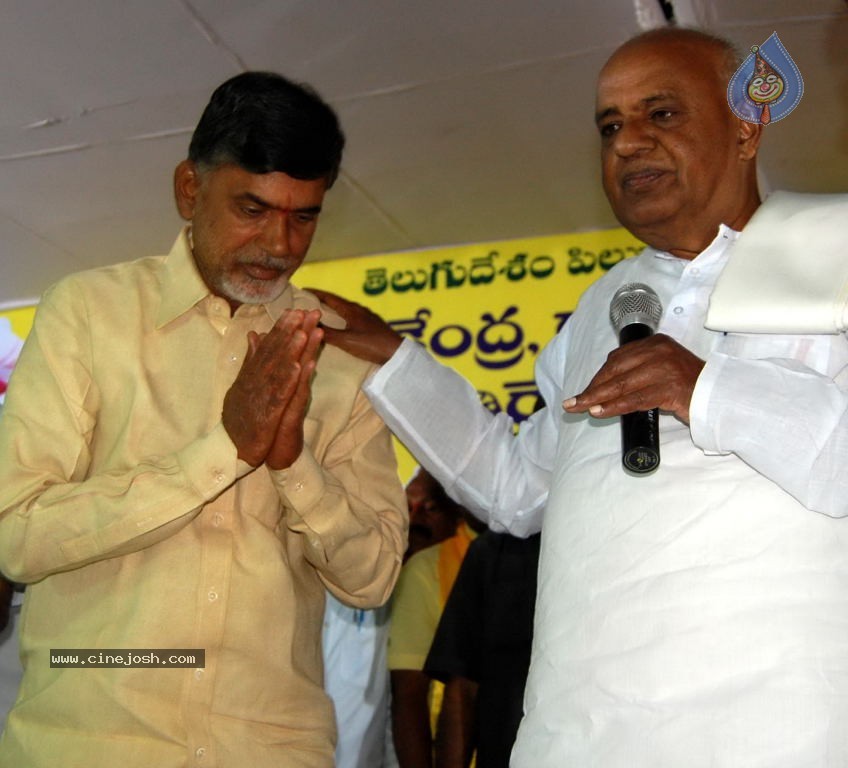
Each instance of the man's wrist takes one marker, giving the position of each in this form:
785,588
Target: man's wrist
388,347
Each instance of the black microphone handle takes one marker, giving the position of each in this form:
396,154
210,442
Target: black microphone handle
640,434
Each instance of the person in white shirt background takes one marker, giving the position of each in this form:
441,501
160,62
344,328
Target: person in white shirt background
696,616
10,348
10,598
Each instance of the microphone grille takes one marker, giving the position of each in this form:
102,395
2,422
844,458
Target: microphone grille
635,303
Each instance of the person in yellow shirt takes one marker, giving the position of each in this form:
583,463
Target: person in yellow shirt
420,596
185,469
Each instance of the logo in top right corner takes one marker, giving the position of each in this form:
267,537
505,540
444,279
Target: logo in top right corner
768,85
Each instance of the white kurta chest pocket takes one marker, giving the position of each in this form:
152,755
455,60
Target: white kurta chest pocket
816,352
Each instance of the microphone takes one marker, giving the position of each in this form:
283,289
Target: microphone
635,312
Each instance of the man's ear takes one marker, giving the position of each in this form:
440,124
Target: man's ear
748,136
186,186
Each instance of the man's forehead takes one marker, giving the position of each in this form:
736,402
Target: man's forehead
274,188
647,73
636,89
670,49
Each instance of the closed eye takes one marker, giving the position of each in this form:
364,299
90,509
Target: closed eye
305,217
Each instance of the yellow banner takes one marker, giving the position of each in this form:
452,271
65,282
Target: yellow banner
486,309
20,320
14,326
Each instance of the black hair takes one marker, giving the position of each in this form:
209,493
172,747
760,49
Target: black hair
263,122
439,495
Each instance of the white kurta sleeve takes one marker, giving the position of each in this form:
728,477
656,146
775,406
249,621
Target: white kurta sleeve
784,419
500,476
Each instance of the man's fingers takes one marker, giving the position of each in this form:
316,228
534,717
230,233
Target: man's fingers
253,340
267,382
349,310
624,371
333,301
288,442
282,346
295,410
651,373
313,344
624,402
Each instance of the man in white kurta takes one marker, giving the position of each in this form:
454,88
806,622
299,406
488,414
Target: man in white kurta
698,616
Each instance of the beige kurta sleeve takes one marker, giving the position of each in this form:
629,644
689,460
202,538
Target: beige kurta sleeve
59,509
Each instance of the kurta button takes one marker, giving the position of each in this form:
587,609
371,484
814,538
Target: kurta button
213,595
678,310
198,674
200,753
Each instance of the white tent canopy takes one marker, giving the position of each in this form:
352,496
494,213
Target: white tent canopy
466,120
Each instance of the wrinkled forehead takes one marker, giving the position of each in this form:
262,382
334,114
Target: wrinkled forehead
639,71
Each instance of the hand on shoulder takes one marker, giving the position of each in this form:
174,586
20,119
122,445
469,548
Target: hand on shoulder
366,336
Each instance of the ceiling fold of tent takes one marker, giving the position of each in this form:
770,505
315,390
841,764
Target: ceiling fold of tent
466,121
